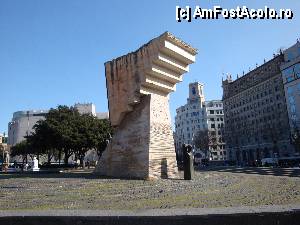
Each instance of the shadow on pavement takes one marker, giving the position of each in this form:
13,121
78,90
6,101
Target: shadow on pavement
289,172
81,175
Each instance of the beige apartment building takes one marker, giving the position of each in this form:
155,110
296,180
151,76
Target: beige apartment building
256,117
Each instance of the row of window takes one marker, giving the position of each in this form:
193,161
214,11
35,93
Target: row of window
218,119
220,125
212,112
257,91
260,105
254,97
220,153
178,124
292,55
291,73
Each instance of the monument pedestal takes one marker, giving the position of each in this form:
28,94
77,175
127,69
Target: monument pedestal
138,93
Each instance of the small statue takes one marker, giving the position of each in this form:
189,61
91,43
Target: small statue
188,164
35,164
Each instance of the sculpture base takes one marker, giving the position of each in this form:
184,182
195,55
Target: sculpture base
142,146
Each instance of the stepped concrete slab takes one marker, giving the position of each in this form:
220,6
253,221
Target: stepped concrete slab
138,87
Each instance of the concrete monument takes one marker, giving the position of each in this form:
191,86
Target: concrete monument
138,87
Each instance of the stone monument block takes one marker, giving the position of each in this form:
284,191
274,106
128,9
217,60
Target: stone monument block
138,87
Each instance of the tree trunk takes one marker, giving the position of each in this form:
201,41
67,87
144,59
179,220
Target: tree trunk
49,157
82,161
66,158
99,154
59,156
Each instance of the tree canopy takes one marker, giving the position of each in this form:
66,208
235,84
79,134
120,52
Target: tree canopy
202,140
66,131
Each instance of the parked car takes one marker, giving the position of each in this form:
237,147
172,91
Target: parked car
197,159
269,161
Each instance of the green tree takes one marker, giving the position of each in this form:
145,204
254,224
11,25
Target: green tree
62,125
102,131
201,140
42,140
65,131
23,149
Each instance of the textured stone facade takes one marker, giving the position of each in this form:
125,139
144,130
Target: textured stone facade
256,120
138,87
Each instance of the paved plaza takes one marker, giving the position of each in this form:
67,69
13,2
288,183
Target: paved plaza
223,187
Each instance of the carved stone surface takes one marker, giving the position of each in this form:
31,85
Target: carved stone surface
138,87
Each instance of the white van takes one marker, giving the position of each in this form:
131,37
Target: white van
269,161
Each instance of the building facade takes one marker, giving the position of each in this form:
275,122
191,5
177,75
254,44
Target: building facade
215,124
256,117
290,69
191,116
3,138
86,108
197,115
22,124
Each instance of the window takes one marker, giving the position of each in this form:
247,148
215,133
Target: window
288,74
293,108
290,56
211,111
213,126
290,91
297,70
292,100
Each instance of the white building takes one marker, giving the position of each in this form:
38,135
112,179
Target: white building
199,114
22,124
86,108
191,116
215,124
102,115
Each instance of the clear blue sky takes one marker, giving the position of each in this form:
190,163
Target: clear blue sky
52,51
